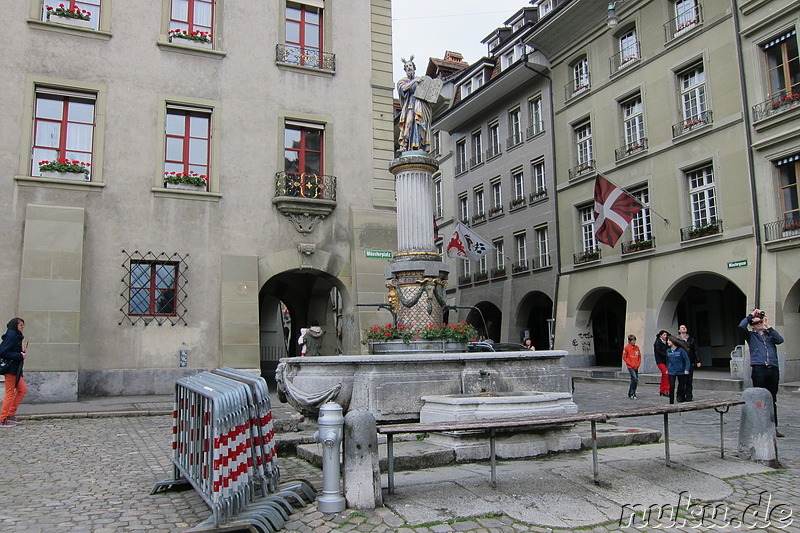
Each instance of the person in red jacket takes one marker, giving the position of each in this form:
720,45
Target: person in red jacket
633,359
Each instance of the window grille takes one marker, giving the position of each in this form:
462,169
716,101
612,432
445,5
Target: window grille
154,288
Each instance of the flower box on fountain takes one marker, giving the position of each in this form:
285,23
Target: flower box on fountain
63,168
191,181
75,16
433,338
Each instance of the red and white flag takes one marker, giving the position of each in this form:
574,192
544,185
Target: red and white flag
613,211
467,244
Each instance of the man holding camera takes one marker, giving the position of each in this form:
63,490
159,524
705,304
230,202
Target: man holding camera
762,340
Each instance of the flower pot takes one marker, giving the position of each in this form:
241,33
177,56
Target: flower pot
185,187
418,346
72,176
191,43
69,21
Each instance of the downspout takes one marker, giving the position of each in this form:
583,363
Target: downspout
555,196
750,162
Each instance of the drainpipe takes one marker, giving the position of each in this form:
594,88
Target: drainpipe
555,195
750,163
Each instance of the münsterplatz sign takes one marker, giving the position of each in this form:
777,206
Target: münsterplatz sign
737,264
378,254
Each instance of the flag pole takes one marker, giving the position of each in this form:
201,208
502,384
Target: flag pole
632,197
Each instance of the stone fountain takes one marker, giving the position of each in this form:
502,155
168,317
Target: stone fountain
429,386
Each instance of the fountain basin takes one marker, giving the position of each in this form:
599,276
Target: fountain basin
464,407
392,386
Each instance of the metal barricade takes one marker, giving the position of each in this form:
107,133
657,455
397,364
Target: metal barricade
224,446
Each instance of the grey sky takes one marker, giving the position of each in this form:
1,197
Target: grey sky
426,28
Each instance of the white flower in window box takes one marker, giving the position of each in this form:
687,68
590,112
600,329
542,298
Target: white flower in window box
196,38
70,17
63,168
187,182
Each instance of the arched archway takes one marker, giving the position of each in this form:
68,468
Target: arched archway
487,320
306,296
534,314
711,307
600,321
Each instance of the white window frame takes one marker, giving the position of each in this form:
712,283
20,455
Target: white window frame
702,195
692,83
497,194
580,75
518,181
480,202
477,147
542,246
586,218
438,201
463,208
641,224
633,120
628,48
461,156
535,115
539,178
583,143
521,247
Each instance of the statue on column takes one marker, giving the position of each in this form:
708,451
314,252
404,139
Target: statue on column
417,96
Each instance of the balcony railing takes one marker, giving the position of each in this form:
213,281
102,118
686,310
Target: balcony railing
778,103
464,279
639,245
520,266
786,227
587,256
303,185
498,272
461,167
514,140
537,196
580,170
543,261
683,24
493,151
713,227
630,149
483,275
302,56
576,87
495,211
480,217
628,57
691,123
516,203
534,129
475,160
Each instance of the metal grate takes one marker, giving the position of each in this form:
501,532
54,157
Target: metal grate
175,312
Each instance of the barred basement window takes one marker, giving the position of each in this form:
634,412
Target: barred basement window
154,288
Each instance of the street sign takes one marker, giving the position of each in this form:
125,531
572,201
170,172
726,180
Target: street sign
378,254
737,264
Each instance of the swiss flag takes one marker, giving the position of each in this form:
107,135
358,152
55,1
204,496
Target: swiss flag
613,211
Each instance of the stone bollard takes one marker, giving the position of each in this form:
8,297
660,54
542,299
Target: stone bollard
362,476
757,428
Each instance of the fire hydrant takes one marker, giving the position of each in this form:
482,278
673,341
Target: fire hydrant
329,435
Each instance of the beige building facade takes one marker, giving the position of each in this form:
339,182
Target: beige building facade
653,100
280,139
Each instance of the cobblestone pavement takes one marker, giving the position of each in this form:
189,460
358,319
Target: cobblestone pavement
95,475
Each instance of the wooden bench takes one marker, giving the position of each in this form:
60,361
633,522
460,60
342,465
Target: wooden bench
530,423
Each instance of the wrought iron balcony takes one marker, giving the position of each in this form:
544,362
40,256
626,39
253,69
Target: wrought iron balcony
483,275
683,24
514,140
464,279
461,167
520,266
622,60
493,151
537,196
587,256
534,129
785,227
480,217
516,203
583,168
630,149
713,227
543,261
304,198
639,245
495,211
576,87
691,123
302,56
475,160
499,272
778,103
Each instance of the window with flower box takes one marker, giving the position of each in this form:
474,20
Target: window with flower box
641,226
521,246
192,22
187,147
77,13
583,148
63,133
497,197
633,123
693,95
702,195
539,180
783,66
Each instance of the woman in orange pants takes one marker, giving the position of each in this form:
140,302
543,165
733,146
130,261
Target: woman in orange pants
12,350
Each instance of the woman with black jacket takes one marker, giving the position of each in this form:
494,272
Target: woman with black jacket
660,351
12,349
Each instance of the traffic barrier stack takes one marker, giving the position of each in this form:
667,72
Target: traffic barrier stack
224,446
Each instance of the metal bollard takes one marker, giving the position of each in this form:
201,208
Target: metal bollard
329,435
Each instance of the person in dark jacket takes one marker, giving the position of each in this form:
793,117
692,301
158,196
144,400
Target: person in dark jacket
677,367
660,351
691,351
12,349
762,340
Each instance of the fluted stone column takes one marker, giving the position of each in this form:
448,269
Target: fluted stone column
416,277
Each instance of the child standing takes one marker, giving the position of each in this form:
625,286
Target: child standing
633,358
